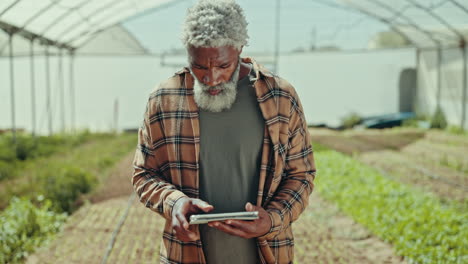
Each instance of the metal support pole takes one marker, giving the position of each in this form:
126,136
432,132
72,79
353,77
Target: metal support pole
439,76
48,103
463,118
116,115
72,91
313,45
416,107
277,36
62,91
33,88
12,87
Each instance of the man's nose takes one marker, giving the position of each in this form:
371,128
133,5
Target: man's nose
212,78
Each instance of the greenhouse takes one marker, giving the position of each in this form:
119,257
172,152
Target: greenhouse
382,85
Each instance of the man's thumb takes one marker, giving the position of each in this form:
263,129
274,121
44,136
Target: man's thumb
206,207
249,207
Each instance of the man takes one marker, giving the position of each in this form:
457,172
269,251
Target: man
224,135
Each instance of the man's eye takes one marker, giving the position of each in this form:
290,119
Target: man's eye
197,67
224,66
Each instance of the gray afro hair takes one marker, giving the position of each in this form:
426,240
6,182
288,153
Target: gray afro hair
215,23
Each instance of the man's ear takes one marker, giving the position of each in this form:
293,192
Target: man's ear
240,50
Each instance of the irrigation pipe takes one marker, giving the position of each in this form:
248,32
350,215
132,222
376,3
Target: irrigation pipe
117,229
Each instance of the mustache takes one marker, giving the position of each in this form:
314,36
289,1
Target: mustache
222,86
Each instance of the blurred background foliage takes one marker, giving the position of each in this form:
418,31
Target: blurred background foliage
43,180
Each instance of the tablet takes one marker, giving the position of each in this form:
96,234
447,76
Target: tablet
205,218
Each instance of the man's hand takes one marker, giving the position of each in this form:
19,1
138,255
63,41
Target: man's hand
246,229
182,210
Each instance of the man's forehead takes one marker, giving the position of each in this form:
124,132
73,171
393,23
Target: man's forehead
214,54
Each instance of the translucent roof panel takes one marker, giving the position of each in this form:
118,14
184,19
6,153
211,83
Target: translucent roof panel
427,23
112,41
115,40
71,22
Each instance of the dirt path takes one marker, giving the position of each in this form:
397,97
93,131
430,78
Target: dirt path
117,184
323,234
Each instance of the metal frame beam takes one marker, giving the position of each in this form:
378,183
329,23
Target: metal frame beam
462,7
92,33
33,87
64,15
89,33
465,85
48,100
407,19
427,34
462,46
61,89
11,29
72,90
383,20
9,7
437,17
86,19
277,35
12,87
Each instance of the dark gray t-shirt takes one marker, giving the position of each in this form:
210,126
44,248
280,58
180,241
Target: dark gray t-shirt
230,152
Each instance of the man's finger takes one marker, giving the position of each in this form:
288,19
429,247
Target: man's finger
185,235
180,233
184,228
229,229
192,236
204,206
183,221
245,226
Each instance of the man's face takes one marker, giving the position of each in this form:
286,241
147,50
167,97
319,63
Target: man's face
216,72
213,66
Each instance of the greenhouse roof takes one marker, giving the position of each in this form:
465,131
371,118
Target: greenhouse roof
425,23
94,26
71,24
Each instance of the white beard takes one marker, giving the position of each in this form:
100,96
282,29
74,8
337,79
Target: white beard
223,100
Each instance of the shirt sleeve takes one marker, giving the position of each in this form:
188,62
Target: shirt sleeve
296,185
153,189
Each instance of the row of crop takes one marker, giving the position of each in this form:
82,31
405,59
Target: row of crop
27,147
74,166
60,181
419,225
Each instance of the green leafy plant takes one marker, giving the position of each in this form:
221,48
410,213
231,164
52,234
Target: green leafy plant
419,225
438,120
420,121
25,227
457,130
62,178
7,170
13,155
95,157
350,120
63,184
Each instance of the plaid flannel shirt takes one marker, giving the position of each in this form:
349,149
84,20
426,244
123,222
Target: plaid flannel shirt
166,162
